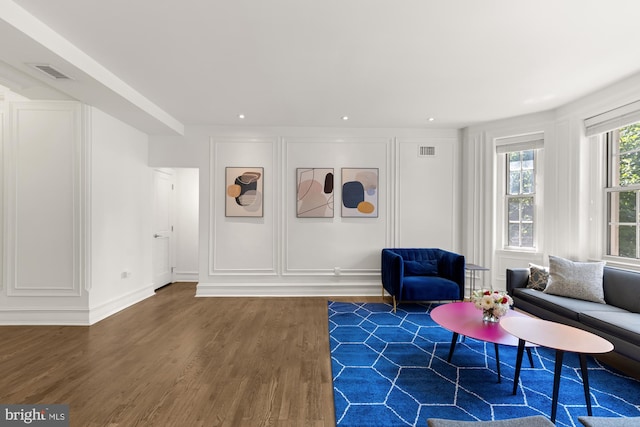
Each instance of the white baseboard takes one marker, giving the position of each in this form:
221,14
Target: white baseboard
115,305
288,289
72,316
44,317
185,276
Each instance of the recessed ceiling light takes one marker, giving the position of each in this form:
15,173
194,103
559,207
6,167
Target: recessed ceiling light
345,118
241,116
431,119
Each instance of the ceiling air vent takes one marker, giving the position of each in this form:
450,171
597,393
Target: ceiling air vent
51,72
425,151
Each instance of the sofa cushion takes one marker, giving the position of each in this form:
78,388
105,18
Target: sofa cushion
427,267
609,421
581,280
625,325
564,306
622,288
538,277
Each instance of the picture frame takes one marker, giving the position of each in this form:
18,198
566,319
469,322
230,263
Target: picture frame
244,193
314,192
360,192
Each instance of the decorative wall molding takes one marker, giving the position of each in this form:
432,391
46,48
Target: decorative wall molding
369,288
333,272
85,194
3,201
41,129
243,152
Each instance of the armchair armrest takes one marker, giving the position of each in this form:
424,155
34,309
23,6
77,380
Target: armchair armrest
517,278
452,268
392,272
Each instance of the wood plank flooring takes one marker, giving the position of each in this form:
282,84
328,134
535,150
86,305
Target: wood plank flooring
177,360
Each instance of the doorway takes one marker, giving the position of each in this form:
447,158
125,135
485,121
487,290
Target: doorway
175,225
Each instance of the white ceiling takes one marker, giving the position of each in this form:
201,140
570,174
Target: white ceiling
164,64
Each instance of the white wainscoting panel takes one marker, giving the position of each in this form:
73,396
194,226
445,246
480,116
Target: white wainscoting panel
243,245
43,200
335,246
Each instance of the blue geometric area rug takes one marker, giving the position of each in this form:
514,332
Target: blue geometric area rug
390,369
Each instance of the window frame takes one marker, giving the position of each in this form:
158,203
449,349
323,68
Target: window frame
609,138
532,140
507,197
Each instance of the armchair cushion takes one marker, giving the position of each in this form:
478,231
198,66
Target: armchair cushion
428,267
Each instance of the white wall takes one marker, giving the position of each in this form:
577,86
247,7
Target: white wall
427,189
121,206
44,215
272,255
573,214
186,224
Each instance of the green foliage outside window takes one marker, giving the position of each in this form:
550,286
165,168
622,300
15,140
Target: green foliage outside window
623,204
629,159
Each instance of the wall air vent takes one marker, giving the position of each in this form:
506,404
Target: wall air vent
425,151
50,71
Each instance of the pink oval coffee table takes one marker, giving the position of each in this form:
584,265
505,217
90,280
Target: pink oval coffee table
561,338
463,318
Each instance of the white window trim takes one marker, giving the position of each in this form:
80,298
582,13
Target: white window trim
505,145
612,119
601,139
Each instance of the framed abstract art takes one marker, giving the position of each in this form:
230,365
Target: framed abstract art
244,195
314,192
359,193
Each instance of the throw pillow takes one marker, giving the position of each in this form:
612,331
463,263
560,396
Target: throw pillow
580,280
421,268
538,277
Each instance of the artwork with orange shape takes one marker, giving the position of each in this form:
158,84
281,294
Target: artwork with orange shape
244,192
360,193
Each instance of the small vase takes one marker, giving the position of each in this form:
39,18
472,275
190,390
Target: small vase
488,316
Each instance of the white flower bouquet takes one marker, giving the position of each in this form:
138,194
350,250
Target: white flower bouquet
494,304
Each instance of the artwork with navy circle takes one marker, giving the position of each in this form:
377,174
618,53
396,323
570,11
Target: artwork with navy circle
360,192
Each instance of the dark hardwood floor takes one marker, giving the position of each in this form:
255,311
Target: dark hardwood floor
177,360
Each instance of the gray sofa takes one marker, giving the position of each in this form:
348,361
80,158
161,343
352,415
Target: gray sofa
618,320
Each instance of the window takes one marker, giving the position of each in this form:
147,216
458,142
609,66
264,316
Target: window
623,191
519,184
520,198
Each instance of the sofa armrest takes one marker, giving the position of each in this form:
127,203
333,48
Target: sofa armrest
392,271
517,278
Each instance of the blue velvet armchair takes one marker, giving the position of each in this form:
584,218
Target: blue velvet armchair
422,274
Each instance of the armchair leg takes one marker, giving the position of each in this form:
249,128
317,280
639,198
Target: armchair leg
394,303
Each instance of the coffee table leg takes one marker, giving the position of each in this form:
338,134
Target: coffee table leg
530,356
454,340
556,384
516,377
495,346
585,382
